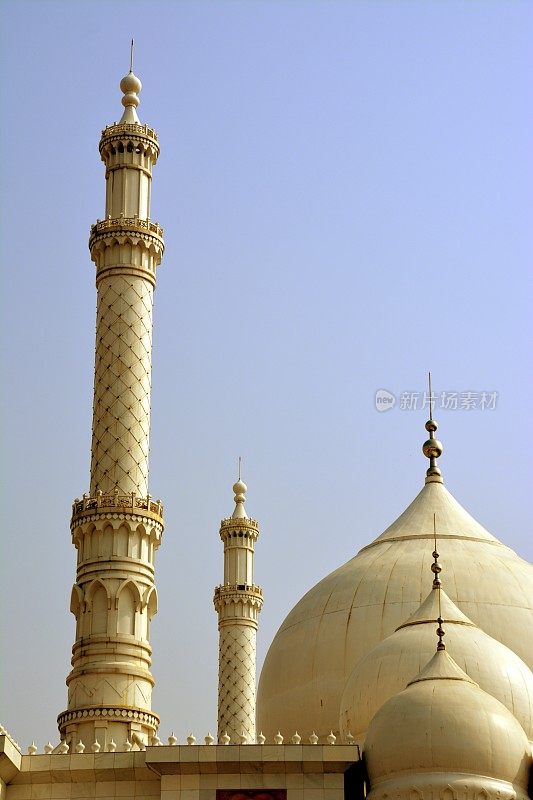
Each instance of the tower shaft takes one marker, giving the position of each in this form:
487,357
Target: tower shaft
238,603
117,528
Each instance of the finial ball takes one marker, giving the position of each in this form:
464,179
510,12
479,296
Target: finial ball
431,425
240,487
130,83
432,448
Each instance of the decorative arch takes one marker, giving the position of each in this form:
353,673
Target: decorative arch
448,793
98,604
135,542
121,541
76,600
133,588
87,541
127,604
152,602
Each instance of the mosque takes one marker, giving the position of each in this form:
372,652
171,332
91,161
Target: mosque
391,678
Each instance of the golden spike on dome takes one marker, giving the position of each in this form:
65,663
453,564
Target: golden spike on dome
435,567
131,54
432,448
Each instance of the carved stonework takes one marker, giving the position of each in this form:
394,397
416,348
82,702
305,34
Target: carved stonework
118,528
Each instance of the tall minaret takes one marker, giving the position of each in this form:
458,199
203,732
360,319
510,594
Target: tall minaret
117,527
238,603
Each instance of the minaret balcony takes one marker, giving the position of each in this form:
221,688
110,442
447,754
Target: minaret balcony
247,594
126,224
139,234
116,503
244,523
130,131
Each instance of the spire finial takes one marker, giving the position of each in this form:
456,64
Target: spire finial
240,489
130,85
440,630
436,568
432,448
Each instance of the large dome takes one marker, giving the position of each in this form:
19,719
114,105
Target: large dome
444,732
345,615
395,661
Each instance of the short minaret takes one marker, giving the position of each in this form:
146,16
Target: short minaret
238,602
117,527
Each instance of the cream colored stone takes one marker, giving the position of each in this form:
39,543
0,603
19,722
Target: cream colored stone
392,663
443,724
238,602
345,615
117,528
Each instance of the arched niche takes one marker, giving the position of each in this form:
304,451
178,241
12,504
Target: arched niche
127,603
121,541
151,608
98,606
126,612
106,542
136,536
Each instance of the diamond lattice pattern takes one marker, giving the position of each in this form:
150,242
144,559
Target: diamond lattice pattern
121,408
236,682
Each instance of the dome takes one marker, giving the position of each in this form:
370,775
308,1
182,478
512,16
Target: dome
443,729
348,612
391,664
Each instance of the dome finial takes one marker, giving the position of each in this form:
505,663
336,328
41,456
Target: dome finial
240,489
436,569
432,448
130,86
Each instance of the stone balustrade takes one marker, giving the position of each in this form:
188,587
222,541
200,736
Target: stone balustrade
127,223
129,128
126,502
62,748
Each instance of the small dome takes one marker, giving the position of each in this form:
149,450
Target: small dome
391,664
442,728
345,615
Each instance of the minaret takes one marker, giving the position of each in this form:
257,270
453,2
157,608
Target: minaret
238,603
117,527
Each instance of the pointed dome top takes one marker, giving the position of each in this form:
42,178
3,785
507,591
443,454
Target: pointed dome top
429,610
130,86
398,658
442,667
346,614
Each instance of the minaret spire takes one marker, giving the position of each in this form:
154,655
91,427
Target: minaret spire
238,602
131,86
432,448
117,527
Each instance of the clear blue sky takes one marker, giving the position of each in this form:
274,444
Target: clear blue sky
346,192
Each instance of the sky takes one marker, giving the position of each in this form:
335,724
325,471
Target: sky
346,193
